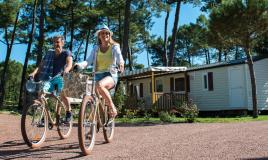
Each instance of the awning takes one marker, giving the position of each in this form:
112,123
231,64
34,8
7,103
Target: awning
146,72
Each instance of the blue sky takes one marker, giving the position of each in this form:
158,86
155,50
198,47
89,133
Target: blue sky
188,14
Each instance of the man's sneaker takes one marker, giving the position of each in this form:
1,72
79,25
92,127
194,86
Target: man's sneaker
41,123
68,116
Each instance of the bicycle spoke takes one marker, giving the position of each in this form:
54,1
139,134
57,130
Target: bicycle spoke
64,128
34,124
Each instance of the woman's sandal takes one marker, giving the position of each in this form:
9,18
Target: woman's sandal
112,114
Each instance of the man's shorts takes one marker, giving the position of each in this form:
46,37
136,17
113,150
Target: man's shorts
57,83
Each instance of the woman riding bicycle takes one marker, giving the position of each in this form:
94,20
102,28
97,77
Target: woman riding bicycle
107,59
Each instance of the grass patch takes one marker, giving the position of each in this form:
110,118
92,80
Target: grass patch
174,119
231,119
198,120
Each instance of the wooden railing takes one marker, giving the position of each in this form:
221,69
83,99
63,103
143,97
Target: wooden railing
163,101
167,101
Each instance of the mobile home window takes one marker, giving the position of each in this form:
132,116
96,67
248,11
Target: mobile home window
159,86
205,81
131,90
171,84
179,84
141,90
208,81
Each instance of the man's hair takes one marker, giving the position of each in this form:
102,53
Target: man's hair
58,37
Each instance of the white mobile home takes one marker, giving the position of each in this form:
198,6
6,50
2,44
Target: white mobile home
214,87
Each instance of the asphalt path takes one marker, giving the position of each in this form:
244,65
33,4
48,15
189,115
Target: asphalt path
146,141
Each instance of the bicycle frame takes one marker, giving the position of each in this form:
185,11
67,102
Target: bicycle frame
43,99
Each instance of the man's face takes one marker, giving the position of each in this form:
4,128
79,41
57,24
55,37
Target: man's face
58,44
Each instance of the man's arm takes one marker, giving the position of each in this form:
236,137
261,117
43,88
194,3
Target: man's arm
35,71
69,63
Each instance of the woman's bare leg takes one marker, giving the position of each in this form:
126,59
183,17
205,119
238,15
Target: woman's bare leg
103,87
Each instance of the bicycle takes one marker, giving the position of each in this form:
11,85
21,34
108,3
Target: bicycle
93,115
37,118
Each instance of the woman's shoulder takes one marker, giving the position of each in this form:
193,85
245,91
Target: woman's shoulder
116,46
95,47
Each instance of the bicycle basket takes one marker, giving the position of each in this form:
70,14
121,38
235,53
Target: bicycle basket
32,86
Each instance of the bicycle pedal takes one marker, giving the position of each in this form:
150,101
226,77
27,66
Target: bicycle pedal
50,126
109,121
98,128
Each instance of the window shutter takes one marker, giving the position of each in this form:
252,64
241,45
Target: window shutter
131,89
150,87
141,89
210,81
171,84
188,83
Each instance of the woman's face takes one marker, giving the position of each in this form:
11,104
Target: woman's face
104,36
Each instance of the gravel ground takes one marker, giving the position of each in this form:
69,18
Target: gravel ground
162,141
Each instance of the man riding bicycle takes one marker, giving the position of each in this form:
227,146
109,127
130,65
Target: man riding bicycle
55,62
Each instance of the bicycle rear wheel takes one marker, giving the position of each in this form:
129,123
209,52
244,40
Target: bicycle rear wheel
64,128
87,126
108,127
34,124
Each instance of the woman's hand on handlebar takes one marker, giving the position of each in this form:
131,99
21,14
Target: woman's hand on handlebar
121,68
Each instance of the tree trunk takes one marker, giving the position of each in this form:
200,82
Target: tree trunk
206,58
207,51
125,49
236,53
165,59
119,27
41,38
253,83
77,55
87,41
27,57
174,32
4,74
130,59
72,28
220,55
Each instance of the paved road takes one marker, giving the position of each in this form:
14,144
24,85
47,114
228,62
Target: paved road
162,141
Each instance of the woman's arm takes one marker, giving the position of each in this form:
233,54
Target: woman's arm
89,60
119,58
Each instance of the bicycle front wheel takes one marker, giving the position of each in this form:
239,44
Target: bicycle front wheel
87,126
34,124
64,128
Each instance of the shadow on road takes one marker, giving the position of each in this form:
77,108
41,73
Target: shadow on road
17,149
145,124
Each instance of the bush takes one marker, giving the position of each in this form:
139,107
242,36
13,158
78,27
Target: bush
130,114
119,98
165,117
189,111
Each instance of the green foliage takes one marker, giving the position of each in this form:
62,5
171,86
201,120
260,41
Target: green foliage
188,110
130,114
166,117
119,98
13,84
247,21
8,10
